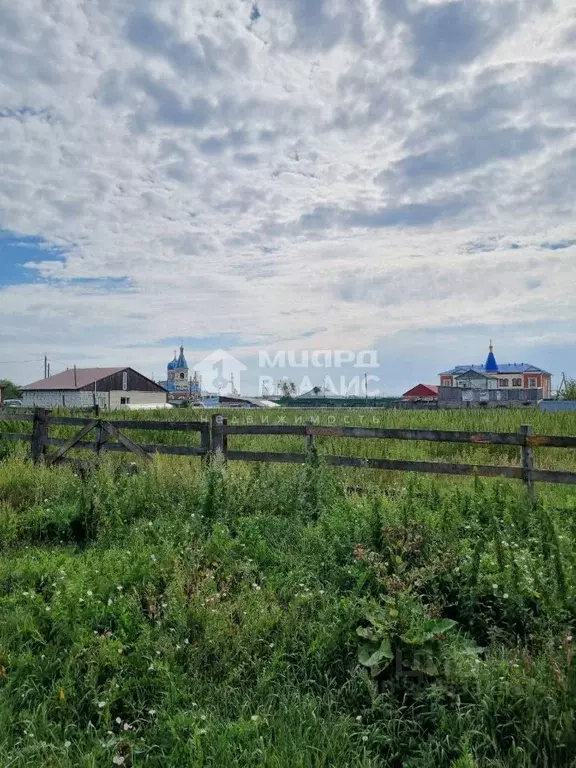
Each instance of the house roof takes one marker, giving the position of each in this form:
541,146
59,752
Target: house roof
422,390
468,371
70,380
503,368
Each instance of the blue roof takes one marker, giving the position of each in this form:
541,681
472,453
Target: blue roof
491,366
503,368
181,362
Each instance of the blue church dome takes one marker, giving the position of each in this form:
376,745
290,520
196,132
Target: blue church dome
491,364
173,363
181,362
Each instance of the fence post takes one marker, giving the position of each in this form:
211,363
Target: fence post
309,440
219,439
205,441
39,434
100,434
527,455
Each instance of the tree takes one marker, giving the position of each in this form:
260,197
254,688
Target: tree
287,388
568,389
11,391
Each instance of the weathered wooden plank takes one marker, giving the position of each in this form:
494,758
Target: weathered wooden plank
16,416
441,436
553,476
125,441
263,429
551,441
175,450
283,458
65,447
176,426
69,421
16,436
384,464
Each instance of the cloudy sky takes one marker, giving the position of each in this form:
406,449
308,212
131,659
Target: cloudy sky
396,175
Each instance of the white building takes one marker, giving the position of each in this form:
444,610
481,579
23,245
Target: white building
110,388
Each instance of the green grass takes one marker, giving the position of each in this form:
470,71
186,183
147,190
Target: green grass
189,617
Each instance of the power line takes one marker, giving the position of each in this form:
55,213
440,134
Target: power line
20,362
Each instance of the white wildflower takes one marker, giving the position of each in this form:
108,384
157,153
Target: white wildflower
89,592
119,720
67,744
101,704
118,760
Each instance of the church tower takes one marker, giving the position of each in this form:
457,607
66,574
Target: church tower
180,372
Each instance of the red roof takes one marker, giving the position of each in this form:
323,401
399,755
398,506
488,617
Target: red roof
70,380
422,390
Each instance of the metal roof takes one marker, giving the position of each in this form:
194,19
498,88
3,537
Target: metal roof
557,406
502,368
69,379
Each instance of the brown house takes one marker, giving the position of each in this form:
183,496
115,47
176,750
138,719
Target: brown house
109,388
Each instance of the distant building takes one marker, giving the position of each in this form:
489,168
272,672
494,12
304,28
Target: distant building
425,392
557,406
109,388
178,382
502,376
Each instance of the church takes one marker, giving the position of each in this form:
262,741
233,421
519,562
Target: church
178,381
493,375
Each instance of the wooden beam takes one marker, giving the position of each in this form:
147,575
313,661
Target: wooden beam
441,436
263,429
27,436
125,441
73,441
176,426
174,450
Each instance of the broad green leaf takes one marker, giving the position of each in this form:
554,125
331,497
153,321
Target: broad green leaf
371,654
365,632
435,627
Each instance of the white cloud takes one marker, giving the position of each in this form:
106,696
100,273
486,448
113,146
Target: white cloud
324,165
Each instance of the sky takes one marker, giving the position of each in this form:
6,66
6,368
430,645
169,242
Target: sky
287,175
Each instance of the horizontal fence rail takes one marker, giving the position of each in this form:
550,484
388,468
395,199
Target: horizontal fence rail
214,439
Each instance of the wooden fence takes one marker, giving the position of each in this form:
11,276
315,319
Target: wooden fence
214,439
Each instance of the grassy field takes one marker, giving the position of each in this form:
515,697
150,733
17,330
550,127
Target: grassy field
263,616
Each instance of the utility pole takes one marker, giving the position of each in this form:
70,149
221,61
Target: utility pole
75,380
45,366
366,385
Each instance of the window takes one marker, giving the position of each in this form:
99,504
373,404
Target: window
124,401
502,382
125,380
531,382
182,375
516,382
